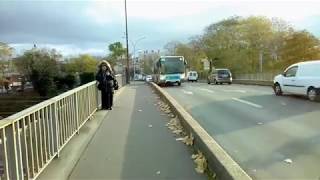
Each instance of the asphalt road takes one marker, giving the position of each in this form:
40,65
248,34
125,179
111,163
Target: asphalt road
270,137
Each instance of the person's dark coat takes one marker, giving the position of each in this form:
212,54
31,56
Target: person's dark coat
107,82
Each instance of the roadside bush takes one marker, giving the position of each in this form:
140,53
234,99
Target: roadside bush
70,81
86,77
65,82
42,84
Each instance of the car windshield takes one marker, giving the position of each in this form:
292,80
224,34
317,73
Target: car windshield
223,72
172,65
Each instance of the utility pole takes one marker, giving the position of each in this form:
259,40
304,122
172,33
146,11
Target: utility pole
127,42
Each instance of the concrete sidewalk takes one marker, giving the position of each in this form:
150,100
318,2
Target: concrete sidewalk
126,147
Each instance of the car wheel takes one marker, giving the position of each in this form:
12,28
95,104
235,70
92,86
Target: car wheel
277,89
208,81
179,83
312,94
215,82
230,83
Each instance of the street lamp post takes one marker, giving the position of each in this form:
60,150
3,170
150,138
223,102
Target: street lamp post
127,42
134,54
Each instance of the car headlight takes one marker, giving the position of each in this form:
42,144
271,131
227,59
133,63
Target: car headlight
162,77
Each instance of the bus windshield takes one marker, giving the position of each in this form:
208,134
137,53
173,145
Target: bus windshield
172,65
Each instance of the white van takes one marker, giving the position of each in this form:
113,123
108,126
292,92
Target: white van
301,79
192,76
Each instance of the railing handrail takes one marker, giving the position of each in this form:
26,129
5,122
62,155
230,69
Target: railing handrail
15,117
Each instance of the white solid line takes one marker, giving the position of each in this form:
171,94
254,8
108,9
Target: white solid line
247,102
207,90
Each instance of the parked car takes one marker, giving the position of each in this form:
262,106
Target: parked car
192,76
300,79
220,76
148,78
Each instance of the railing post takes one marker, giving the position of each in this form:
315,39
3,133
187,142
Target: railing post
55,126
98,97
13,149
77,112
89,101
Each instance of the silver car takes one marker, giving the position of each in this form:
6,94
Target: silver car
220,76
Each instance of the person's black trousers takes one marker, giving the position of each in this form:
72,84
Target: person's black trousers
107,99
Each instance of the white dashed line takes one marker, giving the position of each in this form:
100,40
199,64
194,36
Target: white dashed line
240,91
187,92
207,90
248,103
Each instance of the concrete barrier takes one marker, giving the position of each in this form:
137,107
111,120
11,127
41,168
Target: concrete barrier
219,160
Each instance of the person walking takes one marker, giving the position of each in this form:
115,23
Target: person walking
106,84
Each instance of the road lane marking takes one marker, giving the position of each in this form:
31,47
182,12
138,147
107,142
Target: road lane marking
283,103
187,92
207,90
248,103
240,91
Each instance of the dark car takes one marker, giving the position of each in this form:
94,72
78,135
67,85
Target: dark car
219,76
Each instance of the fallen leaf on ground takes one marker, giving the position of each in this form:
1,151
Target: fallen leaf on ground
194,156
200,161
140,110
179,139
177,131
260,123
158,172
288,161
150,126
188,140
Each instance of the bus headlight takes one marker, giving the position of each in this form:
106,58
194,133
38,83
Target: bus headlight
162,77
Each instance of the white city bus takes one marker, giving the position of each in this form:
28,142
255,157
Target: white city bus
170,70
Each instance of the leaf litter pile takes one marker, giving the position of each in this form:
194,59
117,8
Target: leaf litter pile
176,128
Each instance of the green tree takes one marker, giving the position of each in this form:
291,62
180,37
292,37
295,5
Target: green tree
40,66
5,54
249,45
83,64
117,51
300,46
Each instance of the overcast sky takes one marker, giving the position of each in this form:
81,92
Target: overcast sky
83,26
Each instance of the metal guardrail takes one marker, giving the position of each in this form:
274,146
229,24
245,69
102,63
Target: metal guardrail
30,139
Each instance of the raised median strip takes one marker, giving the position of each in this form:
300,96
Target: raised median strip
218,160
253,82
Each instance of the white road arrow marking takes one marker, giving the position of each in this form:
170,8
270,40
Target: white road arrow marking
207,90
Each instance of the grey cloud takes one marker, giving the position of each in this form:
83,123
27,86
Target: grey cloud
50,22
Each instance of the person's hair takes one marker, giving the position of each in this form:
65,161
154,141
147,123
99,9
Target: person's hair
107,64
